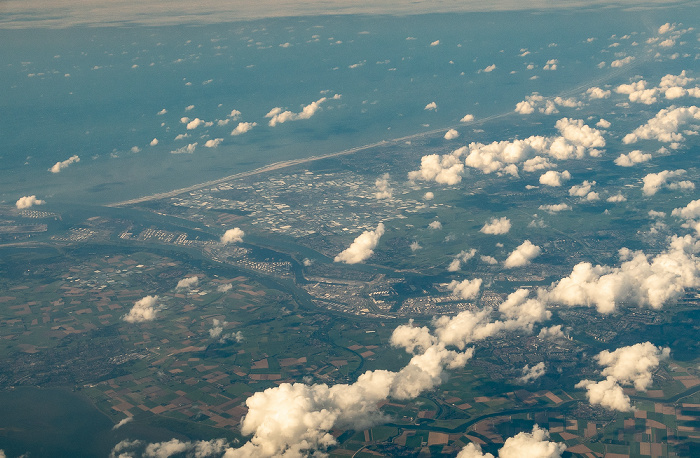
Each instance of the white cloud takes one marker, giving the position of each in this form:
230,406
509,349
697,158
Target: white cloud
537,163
555,208
58,166
154,142
173,447
428,195
435,43
603,124
189,149
188,283
224,287
234,235
432,106
189,108
552,332
551,64
234,115
135,149
532,373
689,212
122,422
362,247
451,134
462,256
196,122
489,69
467,118
496,226
383,189
213,143
631,158
488,259
665,126
162,112
27,202
217,332
466,289
243,127
597,93
620,62
667,27
582,190
524,107
554,178
633,365
617,198
669,179
144,309
445,169
640,279
522,255
415,246
523,445
278,116
435,225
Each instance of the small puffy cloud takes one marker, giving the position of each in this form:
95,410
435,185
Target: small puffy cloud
466,289
496,226
554,178
213,143
665,126
162,112
462,256
154,142
435,43
27,202
606,393
451,134
555,208
224,287
234,235
122,422
217,332
631,158
667,27
278,116
362,247
489,69
597,93
603,124
435,225
432,106
531,374
522,255
415,246
488,259
173,447
467,118
524,107
196,122
383,189
188,283
531,445
189,149
551,64
581,190
189,108
620,62
243,127
234,115
552,332
689,212
58,166
669,179
428,195
135,149
444,169
617,198
537,163
144,309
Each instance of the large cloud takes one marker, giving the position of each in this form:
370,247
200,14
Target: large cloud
522,445
554,178
666,125
278,116
631,158
243,127
197,449
443,169
27,202
522,255
234,235
466,289
496,226
144,309
58,166
633,365
670,179
640,279
362,247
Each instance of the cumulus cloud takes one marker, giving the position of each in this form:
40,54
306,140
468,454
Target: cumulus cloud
189,149
58,166
213,143
444,169
552,332
620,62
489,68
173,447
554,178
583,191
631,158
597,93
243,127
617,198
278,116
154,142
462,256
523,445
669,179
144,309
531,374
234,235
633,365
488,259
551,65
27,202
122,422
225,287
187,283
555,208
522,255
383,189
432,106
466,289
162,112
665,126
196,122
496,226
415,246
362,247
545,105
451,134
467,118
428,195
604,124
640,279
435,225
217,332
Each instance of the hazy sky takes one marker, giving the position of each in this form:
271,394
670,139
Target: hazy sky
66,13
